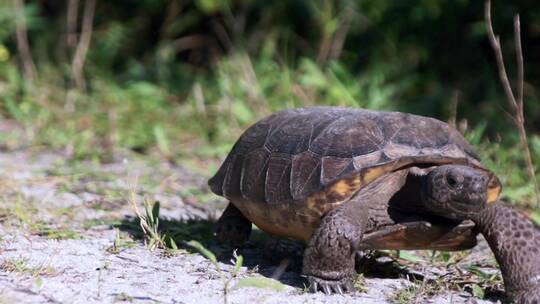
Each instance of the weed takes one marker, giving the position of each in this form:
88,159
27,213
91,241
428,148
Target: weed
58,233
149,223
21,266
120,243
24,211
405,296
484,279
260,282
123,297
68,212
418,291
360,283
237,262
447,258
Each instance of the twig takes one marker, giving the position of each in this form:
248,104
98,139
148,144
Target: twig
515,104
198,95
190,42
454,108
495,44
71,23
29,68
519,61
173,10
341,35
222,35
83,45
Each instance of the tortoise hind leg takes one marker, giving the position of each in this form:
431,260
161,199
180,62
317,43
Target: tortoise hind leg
329,258
233,227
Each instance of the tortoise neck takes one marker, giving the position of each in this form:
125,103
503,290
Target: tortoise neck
409,198
515,242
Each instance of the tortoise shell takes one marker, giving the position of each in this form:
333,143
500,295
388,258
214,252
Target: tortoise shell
331,152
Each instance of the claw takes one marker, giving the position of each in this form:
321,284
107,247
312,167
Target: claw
313,286
326,289
330,286
337,288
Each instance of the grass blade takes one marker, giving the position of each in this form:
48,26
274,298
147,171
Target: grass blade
260,283
205,252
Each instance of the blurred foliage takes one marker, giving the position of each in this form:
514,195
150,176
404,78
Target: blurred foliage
186,77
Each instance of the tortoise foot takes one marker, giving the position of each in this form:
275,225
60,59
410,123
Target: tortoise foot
233,231
330,286
233,228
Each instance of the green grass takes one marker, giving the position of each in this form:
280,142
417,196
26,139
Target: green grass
55,233
143,116
17,211
22,266
478,279
149,222
121,242
419,291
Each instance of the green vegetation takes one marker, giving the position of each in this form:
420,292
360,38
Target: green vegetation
417,292
157,235
56,233
260,282
120,243
21,266
360,283
149,223
227,279
23,213
183,79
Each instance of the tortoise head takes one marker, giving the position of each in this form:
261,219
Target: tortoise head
459,192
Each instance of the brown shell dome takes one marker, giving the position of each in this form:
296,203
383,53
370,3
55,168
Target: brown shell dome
296,153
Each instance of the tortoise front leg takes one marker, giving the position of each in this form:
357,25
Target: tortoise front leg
233,227
329,258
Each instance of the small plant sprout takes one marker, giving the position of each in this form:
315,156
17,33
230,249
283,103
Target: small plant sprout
237,261
360,283
119,243
149,222
21,266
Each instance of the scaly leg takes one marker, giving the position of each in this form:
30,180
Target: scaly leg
329,257
233,227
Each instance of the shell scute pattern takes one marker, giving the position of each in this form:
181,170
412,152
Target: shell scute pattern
305,174
290,136
277,186
295,154
332,167
349,136
254,171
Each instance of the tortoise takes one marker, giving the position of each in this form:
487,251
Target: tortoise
345,180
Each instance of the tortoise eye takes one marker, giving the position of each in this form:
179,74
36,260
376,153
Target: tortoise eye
451,181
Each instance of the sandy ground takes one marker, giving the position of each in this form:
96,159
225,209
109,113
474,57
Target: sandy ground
68,235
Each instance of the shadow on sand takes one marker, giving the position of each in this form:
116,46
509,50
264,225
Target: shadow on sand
275,258
280,259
